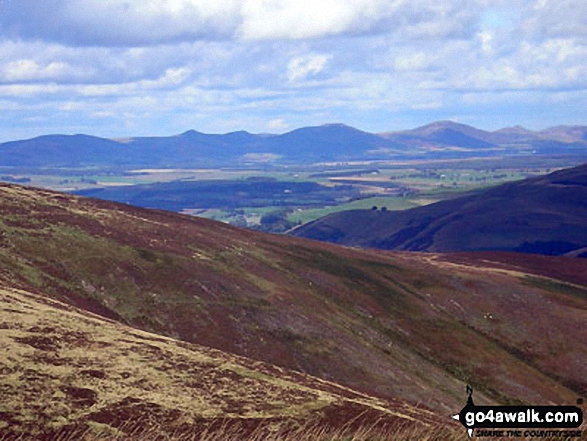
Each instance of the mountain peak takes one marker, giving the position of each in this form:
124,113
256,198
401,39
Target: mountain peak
428,129
339,125
190,132
515,130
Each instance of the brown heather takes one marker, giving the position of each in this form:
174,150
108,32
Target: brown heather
122,323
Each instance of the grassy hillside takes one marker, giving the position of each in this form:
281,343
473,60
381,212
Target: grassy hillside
409,326
67,373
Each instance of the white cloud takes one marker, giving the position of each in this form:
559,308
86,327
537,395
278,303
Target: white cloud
277,125
117,23
558,18
486,38
28,90
148,22
172,78
306,19
300,68
414,61
280,63
27,69
549,65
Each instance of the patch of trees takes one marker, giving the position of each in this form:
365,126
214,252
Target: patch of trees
276,222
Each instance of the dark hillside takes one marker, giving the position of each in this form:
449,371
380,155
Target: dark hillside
544,215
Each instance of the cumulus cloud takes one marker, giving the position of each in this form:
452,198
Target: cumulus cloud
557,18
303,19
116,23
277,125
301,67
170,79
25,70
277,64
413,61
146,22
549,65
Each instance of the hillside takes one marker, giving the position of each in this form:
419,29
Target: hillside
326,143
544,215
396,325
67,372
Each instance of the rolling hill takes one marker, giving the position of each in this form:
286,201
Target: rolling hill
544,215
326,143
70,374
413,327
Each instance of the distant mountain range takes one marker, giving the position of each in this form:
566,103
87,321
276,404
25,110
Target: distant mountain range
327,143
544,215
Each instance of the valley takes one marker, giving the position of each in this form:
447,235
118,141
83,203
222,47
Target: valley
212,175
288,220
128,310
543,215
244,197
398,326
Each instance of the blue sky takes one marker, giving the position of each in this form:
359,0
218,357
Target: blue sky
118,68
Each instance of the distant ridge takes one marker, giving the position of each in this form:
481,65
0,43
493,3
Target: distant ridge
326,143
439,126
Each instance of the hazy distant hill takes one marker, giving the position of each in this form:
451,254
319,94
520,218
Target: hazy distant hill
507,135
545,215
327,143
415,327
448,133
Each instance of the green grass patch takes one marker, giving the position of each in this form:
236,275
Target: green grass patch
391,203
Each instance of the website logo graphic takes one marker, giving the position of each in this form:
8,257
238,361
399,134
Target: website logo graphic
518,417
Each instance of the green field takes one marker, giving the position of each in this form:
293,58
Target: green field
391,203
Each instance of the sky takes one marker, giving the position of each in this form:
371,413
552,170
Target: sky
119,68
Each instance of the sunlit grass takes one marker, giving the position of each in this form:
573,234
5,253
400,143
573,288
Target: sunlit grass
228,431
